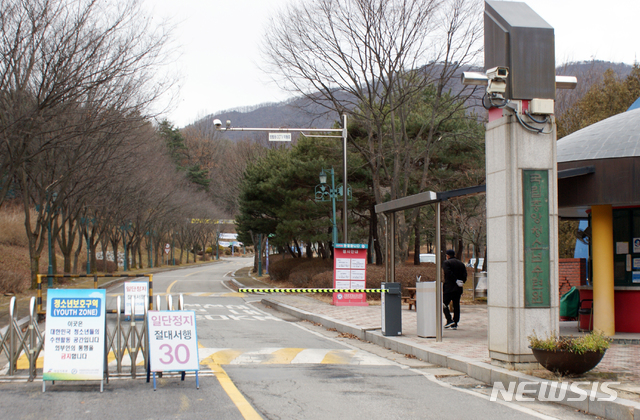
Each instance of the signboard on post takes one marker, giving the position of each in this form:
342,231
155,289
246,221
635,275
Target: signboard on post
167,248
173,341
137,291
279,136
74,347
350,272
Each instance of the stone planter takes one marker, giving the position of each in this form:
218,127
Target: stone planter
566,362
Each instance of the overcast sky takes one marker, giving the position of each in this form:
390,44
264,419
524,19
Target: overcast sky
218,43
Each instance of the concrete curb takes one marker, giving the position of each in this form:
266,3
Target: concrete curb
620,409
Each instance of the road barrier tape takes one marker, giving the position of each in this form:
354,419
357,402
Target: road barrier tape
312,290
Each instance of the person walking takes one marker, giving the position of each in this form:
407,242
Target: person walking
455,275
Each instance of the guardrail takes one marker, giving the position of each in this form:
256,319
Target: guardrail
123,339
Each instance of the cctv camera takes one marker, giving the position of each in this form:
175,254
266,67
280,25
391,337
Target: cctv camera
497,77
498,73
217,123
496,86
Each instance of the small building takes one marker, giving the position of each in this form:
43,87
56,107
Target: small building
599,180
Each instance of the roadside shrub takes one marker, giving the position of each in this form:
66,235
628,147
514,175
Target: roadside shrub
110,266
11,282
302,274
281,269
318,273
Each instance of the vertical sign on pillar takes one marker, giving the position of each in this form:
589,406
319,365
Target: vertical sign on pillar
535,192
350,272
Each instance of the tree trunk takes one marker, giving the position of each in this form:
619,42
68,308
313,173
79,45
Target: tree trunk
35,267
416,246
293,254
54,260
115,242
376,240
93,242
459,248
66,240
76,254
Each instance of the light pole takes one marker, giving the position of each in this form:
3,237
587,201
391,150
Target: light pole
149,235
125,229
218,243
85,222
50,269
322,191
343,135
173,255
259,255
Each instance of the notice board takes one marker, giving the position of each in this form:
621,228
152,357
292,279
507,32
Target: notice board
74,346
173,341
350,272
137,291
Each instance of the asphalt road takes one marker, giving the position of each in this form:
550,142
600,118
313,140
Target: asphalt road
258,363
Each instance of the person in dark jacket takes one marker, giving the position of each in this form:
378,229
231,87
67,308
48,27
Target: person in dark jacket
455,275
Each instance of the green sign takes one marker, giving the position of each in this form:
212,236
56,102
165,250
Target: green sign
535,192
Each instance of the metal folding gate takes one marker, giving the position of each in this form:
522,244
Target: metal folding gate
125,340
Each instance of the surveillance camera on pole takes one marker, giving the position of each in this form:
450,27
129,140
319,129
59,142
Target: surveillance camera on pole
217,123
497,81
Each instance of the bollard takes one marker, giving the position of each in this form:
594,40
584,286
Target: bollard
391,309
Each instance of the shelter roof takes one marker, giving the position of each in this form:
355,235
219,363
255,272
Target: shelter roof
614,137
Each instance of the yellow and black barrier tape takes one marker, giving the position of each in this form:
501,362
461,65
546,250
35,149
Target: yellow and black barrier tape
244,290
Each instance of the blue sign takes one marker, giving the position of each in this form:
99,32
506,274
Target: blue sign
75,307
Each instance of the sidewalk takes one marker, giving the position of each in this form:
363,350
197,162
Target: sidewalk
465,349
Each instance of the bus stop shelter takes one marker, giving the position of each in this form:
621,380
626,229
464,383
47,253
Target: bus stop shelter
389,210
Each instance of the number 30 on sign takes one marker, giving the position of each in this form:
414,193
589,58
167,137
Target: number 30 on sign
173,341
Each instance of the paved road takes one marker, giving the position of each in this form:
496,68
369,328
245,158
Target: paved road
268,365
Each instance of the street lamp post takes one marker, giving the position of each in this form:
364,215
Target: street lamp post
50,269
325,193
259,255
88,254
217,244
149,235
125,229
343,135
322,190
173,255
85,222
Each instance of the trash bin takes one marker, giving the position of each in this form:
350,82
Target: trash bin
426,308
391,309
479,285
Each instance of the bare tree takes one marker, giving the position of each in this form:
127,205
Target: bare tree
373,59
74,79
64,58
